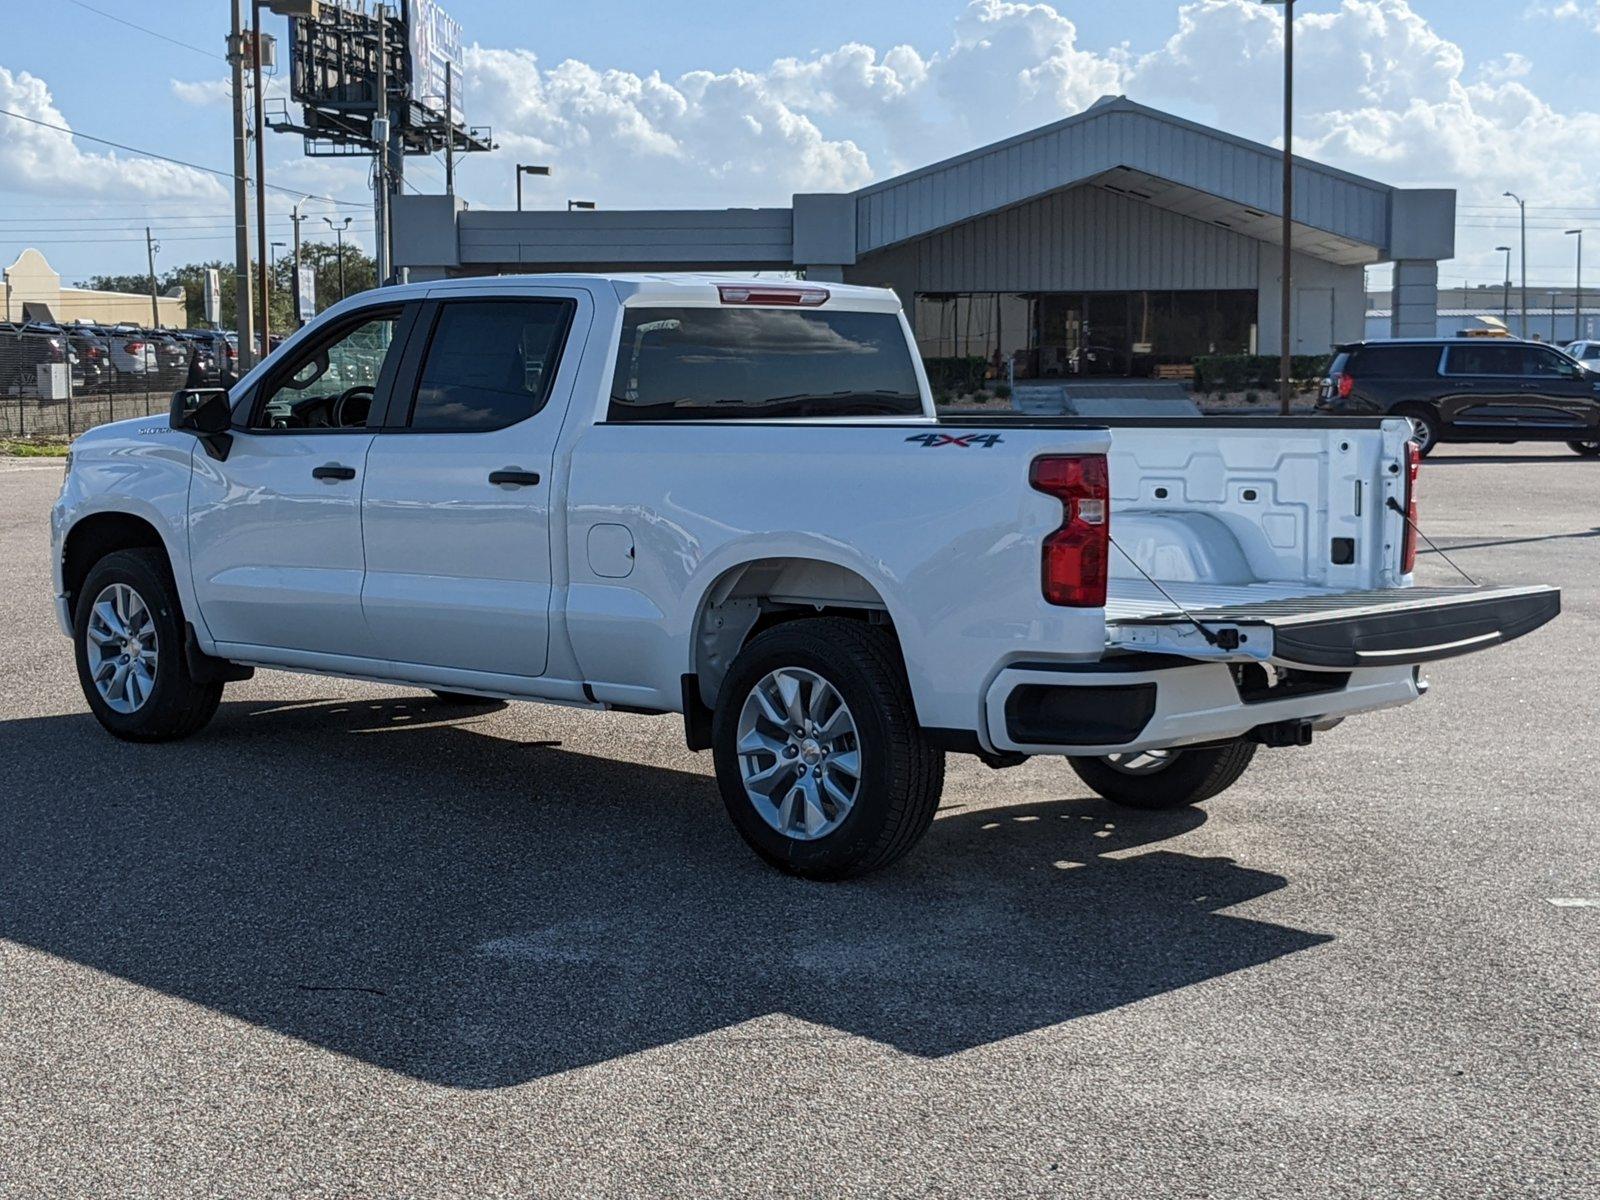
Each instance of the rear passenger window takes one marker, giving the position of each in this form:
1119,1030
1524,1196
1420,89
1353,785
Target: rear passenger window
1396,362
1485,359
678,364
490,364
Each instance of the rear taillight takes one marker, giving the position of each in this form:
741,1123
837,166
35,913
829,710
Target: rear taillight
134,347
1074,558
1347,383
1408,538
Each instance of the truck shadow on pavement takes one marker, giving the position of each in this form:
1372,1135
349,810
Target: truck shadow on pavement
392,882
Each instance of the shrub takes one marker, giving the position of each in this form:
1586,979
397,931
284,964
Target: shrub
1003,390
1236,372
961,375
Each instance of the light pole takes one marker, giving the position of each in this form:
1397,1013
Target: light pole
338,231
1553,296
1505,307
1286,311
1577,291
1523,205
527,169
272,254
585,205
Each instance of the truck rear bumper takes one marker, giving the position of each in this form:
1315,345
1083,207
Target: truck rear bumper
1148,702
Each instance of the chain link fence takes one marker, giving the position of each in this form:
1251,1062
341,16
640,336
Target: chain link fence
58,380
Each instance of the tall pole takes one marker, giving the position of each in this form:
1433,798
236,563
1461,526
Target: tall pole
261,182
519,187
294,289
380,148
244,319
150,254
1505,307
1523,205
1287,312
1577,289
450,135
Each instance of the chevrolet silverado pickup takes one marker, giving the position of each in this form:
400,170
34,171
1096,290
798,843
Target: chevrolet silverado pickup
732,499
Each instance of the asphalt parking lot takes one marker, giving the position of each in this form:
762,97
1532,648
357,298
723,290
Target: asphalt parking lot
352,941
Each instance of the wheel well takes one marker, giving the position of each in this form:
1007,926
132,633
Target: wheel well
96,536
755,596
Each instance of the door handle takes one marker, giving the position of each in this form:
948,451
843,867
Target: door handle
515,477
333,471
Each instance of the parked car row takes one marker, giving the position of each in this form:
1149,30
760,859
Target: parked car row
113,358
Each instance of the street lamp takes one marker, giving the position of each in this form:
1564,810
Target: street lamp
1553,297
527,169
338,231
586,205
272,257
1286,312
1523,205
1505,308
1577,291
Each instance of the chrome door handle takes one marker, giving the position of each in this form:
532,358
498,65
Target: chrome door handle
514,477
333,471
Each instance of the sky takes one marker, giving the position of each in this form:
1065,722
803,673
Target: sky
718,103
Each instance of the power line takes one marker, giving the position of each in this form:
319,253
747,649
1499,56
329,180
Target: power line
168,158
144,29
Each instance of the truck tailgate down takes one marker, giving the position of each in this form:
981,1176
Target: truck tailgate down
1327,629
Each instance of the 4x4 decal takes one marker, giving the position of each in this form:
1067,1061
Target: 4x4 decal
931,440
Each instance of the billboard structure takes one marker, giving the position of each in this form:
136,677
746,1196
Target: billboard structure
342,59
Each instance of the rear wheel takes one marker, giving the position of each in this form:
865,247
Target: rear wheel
1424,427
128,635
820,760
1159,779
1586,449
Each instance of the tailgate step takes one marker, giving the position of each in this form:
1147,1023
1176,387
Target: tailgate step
1389,627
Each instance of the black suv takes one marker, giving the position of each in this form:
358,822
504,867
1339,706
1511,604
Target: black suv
1469,390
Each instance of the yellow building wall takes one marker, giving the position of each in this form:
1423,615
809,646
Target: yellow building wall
32,280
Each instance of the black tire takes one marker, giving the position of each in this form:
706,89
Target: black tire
902,775
467,699
1586,449
177,704
1427,423
1189,777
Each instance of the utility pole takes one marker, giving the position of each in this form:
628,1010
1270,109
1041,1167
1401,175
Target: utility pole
338,231
380,149
450,134
261,179
1505,308
296,217
241,197
1523,205
1287,311
150,248
1577,291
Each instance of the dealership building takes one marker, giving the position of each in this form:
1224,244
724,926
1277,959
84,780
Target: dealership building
1120,241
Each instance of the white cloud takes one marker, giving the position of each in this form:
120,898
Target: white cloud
48,162
202,92
1569,10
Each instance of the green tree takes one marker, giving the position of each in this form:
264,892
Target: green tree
360,273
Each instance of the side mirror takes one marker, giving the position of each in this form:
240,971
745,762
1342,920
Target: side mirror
206,413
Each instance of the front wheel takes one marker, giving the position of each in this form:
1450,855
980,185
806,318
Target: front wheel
1162,779
128,634
1586,449
820,760
1424,428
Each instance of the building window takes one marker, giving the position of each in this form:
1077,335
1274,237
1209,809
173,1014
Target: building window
973,340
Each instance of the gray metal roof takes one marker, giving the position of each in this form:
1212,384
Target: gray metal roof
1151,155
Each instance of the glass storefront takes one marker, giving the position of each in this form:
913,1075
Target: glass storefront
969,339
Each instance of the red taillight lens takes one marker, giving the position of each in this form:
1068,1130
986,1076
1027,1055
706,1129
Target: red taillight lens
1347,383
1408,538
1075,557
134,347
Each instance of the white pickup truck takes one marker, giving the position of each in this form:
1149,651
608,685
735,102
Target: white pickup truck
732,499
